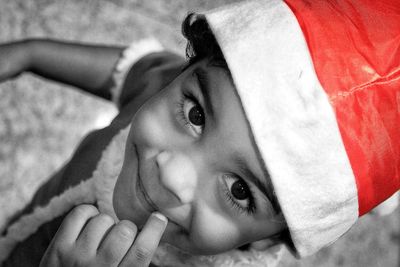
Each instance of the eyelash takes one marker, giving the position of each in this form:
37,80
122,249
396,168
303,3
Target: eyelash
181,110
251,206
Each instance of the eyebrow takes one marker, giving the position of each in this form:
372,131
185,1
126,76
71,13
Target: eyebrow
204,81
264,187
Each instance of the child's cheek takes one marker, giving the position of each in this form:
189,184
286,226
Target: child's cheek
213,233
150,122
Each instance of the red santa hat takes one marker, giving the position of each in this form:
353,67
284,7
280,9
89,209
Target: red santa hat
319,82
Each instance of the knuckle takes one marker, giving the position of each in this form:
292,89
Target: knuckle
57,251
142,255
59,247
74,258
104,218
110,254
126,229
83,250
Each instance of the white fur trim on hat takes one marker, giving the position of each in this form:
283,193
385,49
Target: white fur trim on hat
292,121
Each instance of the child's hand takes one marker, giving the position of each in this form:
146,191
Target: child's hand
89,238
14,59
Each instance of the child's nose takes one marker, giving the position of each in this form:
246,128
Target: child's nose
178,175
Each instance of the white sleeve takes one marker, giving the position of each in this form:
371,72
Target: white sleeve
133,53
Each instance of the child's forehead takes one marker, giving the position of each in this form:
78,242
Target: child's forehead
215,78
218,91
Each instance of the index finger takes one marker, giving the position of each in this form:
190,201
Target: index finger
146,243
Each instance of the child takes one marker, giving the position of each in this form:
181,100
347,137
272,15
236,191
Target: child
231,148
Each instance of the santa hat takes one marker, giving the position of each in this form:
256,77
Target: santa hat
319,83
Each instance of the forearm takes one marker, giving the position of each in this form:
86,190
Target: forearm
88,67
14,59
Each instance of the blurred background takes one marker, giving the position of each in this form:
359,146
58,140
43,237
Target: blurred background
41,122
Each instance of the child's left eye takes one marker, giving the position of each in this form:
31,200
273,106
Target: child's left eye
238,194
192,114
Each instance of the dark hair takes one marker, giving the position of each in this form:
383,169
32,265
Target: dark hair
201,41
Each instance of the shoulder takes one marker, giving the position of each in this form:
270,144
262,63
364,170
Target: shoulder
146,78
149,75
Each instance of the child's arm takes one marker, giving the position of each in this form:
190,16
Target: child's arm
88,67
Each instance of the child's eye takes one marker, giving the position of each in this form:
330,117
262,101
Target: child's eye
239,194
192,114
196,115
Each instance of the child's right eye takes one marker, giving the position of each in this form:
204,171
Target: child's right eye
192,114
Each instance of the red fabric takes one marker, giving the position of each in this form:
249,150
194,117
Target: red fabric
355,47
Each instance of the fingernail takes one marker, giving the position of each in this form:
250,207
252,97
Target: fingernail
160,216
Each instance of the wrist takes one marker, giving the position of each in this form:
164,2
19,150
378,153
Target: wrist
15,59
26,52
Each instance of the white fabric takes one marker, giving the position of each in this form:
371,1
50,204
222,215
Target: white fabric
130,56
30,223
291,119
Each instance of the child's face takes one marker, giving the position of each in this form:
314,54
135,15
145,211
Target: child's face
190,156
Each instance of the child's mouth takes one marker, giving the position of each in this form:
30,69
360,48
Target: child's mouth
141,192
145,200
144,197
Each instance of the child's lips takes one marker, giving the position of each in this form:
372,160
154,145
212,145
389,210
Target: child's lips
144,197
141,192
